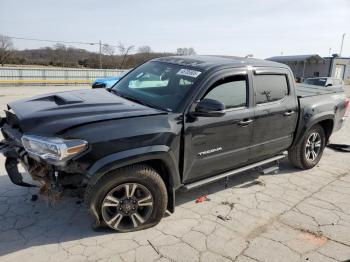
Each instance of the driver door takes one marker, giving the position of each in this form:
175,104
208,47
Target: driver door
217,144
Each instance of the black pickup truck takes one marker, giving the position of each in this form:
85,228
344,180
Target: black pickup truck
171,123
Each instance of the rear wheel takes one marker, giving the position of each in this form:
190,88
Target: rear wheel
129,199
308,153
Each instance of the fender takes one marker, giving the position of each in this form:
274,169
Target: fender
306,123
133,156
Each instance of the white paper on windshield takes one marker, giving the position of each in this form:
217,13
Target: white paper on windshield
188,72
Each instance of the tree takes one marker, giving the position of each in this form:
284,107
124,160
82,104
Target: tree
108,50
59,46
185,51
123,50
6,48
144,49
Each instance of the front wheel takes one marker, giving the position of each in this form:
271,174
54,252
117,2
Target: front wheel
129,199
308,153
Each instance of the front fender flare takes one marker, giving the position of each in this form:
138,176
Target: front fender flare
133,156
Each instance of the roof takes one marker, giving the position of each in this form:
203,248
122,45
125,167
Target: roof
208,61
295,58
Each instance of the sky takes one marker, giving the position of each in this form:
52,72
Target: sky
263,28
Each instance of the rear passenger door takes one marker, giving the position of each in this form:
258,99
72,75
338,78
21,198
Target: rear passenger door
275,113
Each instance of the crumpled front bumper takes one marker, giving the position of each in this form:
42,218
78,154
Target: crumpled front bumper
11,163
3,147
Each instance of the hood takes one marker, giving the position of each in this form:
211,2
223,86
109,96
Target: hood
52,113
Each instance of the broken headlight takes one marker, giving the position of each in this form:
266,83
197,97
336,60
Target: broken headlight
53,149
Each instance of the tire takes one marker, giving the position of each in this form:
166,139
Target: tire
128,199
301,156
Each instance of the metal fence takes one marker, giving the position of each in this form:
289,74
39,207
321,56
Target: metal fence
23,75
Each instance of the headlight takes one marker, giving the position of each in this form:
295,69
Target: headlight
53,149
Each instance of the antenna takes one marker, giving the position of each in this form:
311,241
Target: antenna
341,46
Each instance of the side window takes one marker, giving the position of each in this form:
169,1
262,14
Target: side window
231,91
270,88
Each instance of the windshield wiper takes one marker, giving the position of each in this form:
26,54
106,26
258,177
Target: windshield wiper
136,100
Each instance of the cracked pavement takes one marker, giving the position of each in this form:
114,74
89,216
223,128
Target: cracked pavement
289,216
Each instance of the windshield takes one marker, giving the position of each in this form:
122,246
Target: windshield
157,84
316,81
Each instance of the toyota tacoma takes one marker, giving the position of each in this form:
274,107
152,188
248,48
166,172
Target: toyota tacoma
172,123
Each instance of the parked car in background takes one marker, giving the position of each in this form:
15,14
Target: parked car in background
325,81
105,82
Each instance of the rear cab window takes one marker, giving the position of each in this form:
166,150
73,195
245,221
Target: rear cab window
270,88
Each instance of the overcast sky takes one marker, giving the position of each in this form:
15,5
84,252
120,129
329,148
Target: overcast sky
230,27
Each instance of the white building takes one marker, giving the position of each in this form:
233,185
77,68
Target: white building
304,66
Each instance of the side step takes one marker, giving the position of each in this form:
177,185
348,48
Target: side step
233,172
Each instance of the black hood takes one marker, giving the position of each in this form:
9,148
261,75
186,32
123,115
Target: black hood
53,113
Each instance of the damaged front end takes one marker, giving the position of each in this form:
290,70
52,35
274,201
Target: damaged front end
12,149
45,159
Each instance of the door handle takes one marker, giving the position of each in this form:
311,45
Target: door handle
289,113
245,122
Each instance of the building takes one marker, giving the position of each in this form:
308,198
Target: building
305,66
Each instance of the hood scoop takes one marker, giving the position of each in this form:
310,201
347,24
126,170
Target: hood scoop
61,99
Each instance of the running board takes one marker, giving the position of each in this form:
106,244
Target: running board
233,172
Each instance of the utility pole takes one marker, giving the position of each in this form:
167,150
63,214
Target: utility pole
329,52
341,46
100,54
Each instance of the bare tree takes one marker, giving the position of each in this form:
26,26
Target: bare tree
60,46
61,55
123,50
144,49
185,51
6,48
108,50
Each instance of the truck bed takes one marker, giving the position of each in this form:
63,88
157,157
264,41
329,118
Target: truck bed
304,90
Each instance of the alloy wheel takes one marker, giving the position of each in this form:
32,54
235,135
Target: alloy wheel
127,206
313,146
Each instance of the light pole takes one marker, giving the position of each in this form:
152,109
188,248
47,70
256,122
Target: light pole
341,46
100,54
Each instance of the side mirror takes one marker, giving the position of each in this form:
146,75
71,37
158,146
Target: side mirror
99,85
209,108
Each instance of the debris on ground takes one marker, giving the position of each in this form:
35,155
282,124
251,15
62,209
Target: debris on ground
339,147
155,249
202,199
230,204
260,183
34,197
253,183
224,218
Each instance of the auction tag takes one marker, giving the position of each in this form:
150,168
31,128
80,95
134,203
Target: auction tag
188,72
